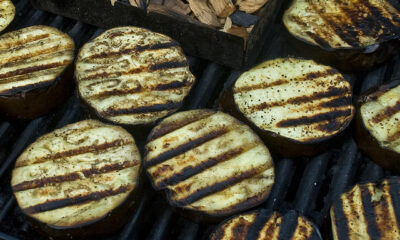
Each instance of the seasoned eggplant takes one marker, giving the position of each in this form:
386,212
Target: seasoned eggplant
209,164
293,104
132,76
368,211
7,13
35,71
79,180
264,224
378,125
352,35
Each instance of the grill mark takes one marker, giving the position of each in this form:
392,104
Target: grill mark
135,49
37,183
394,136
77,151
240,228
14,43
168,128
337,102
26,87
394,191
111,112
395,4
217,187
377,13
387,113
273,224
190,171
66,202
382,212
27,70
369,213
341,222
308,120
257,225
185,147
168,65
319,40
308,76
301,99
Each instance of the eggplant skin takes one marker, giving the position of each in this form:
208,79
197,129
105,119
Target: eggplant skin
353,36
7,13
377,125
298,107
265,224
208,164
77,178
36,71
367,211
132,76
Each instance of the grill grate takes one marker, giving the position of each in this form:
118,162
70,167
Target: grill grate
307,185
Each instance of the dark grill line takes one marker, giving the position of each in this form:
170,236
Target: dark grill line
383,211
26,87
387,113
111,112
66,202
258,224
341,222
25,41
37,183
78,151
369,212
22,71
307,120
185,147
168,65
337,102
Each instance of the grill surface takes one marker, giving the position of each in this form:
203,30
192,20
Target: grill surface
307,185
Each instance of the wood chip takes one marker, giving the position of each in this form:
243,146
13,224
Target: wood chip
204,13
177,6
250,6
223,8
235,30
113,2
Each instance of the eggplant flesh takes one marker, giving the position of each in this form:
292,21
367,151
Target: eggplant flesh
293,104
377,128
208,164
77,176
265,224
132,76
7,13
352,35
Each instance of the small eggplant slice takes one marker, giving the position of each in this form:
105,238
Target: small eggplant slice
7,13
77,179
293,104
35,71
378,125
368,211
209,164
352,35
132,76
264,224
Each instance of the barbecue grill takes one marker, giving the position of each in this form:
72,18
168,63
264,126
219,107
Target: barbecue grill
307,185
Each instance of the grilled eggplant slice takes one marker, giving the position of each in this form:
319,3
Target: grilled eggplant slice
378,125
133,76
368,211
209,164
35,71
7,13
77,179
352,35
264,224
293,104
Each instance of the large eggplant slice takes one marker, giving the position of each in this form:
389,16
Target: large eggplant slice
352,35
133,76
209,164
378,125
35,71
264,224
368,211
293,104
79,180
7,13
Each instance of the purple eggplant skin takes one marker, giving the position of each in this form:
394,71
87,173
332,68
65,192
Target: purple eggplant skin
37,100
381,155
280,145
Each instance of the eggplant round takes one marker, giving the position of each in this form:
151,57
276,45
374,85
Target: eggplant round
36,74
265,224
208,164
368,211
351,35
378,125
78,181
7,13
297,106
132,76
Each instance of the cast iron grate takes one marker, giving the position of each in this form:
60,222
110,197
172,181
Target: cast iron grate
307,185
